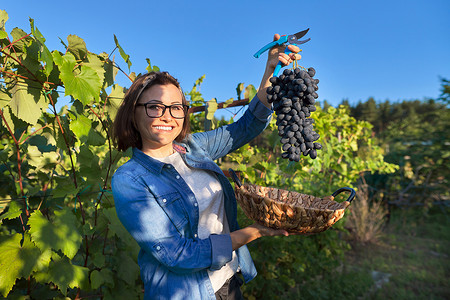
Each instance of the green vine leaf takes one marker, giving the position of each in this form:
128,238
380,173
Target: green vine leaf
77,47
23,104
81,126
64,274
38,159
14,123
128,269
14,210
82,82
97,65
62,234
96,279
125,56
44,53
239,89
115,99
3,34
17,261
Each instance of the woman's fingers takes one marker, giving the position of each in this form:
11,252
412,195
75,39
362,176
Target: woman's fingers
286,59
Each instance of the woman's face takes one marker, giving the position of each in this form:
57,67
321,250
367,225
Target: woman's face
158,133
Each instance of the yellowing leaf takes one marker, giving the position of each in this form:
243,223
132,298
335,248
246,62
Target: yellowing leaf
228,102
3,18
250,92
211,107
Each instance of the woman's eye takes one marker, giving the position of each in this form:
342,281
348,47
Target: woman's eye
177,107
154,107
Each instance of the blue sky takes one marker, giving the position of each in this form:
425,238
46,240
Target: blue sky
394,50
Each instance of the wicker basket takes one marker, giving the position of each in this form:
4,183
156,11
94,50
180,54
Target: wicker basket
292,211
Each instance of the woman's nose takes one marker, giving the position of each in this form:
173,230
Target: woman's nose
167,115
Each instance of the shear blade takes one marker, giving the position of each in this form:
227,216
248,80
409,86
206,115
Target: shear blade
301,34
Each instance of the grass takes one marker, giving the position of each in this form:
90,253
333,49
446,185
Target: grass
412,255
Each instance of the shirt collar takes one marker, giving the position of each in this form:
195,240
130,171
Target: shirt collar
152,164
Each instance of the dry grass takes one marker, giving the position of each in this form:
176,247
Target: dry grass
367,216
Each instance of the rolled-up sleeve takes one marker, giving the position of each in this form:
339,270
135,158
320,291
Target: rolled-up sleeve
225,139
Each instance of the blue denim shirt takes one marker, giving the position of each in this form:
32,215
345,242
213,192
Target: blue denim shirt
160,211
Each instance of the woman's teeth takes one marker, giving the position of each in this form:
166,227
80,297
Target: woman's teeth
163,128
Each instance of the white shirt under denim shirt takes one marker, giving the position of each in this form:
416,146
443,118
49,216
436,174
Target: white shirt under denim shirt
161,212
212,220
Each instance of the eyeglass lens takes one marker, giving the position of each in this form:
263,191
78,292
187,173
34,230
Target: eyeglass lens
157,110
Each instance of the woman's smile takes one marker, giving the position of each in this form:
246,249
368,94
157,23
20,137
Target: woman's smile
158,133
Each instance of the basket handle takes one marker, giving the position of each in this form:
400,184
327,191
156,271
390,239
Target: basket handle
342,189
234,177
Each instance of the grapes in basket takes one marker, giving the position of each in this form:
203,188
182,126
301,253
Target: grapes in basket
293,96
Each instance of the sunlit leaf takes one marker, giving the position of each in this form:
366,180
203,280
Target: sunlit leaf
61,234
239,89
81,126
77,47
23,104
4,98
228,102
17,261
3,18
250,92
97,65
38,159
125,56
211,108
82,82
114,99
44,53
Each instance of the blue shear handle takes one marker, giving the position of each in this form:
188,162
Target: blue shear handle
282,40
278,67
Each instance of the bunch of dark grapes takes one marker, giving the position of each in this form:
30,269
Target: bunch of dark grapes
293,95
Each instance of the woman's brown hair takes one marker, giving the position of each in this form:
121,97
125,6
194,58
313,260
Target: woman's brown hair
125,133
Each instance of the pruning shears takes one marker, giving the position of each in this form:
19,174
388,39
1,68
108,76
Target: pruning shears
292,39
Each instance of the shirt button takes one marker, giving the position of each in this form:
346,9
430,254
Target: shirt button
158,248
195,204
195,235
164,200
169,166
178,176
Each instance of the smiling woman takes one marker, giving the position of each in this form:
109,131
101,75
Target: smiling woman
174,199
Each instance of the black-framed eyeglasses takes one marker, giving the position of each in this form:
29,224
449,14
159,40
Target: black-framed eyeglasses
156,110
